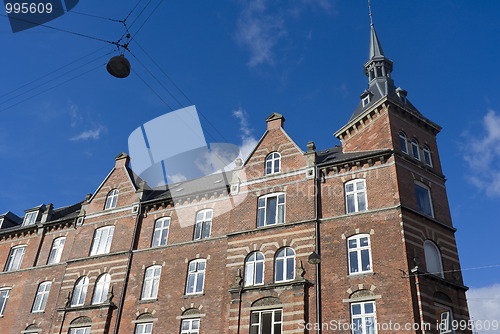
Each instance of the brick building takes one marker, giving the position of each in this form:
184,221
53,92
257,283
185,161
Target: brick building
290,241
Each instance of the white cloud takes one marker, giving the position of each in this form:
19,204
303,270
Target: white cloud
88,134
259,32
484,304
176,178
482,154
248,141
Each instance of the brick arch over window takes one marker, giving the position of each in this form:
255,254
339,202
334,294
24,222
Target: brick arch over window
361,294
145,316
33,328
191,312
267,301
442,298
81,321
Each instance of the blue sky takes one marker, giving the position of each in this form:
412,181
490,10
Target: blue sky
239,61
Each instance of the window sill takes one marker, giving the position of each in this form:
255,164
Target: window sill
193,295
146,301
38,312
367,273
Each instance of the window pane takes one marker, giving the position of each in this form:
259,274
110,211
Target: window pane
281,214
361,201
290,268
249,273
206,229
368,307
363,242
351,206
276,165
365,260
260,217
357,326
279,270
190,285
349,187
259,273
199,283
271,211
353,260
353,243
197,231
266,322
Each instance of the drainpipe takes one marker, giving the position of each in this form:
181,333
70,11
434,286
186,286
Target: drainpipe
127,273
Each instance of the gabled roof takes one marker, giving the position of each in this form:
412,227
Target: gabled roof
335,155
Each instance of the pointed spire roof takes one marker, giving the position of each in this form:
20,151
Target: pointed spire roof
375,47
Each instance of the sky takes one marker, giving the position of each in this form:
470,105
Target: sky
238,62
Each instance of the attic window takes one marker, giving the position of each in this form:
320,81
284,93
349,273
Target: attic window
111,199
366,100
1,222
30,218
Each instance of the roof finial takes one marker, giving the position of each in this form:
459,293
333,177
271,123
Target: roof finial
370,10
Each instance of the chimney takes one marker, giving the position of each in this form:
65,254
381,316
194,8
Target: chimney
122,159
275,121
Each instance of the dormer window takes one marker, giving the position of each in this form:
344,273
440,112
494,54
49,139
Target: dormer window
365,100
1,222
111,199
273,163
30,218
415,149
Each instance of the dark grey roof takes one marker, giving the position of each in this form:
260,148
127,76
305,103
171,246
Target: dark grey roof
67,212
335,155
375,47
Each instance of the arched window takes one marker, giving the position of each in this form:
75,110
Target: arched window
160,235
414,149
102,240
80,291
56,250
254,269
427,156
355,195
433,259
41,297
111,199
285,265
403,142
203,224
101,289
151,282
271,209
15,259
273,163
424,200
360,257
196,276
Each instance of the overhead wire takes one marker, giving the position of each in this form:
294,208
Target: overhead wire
453,270
149,16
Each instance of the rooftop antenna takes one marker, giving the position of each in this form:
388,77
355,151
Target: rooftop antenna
370,10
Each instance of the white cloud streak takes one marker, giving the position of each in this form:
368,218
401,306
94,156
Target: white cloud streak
484,305
482,154
88,134
248,141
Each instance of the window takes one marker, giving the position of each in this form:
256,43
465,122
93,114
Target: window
203,224
285,265
102,240
30,218
363,318
15,258
366,100
254,269
433,259
427,156
414,149
111,199
424,199
160,235
101,289
80,291
151,282
355,196
196,277
360,258
80,330
190,326
1,222
144,328
266,322
445,319
271,210
403,142
4,296
273,162
41,297
56,251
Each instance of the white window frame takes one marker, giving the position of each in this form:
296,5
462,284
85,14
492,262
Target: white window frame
427,156
195,274
80,291
1,222
151,282
161,230
355,193
433,258
56,250
254,263
144,328
286,259
42,294
101,244
203,224
79,330
4,298
403,142
30,218
446,317
111,199
101,289
358,250
262,207
366,100
256,320
273,163
193,326
415,149
15,258
429,197
363,317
